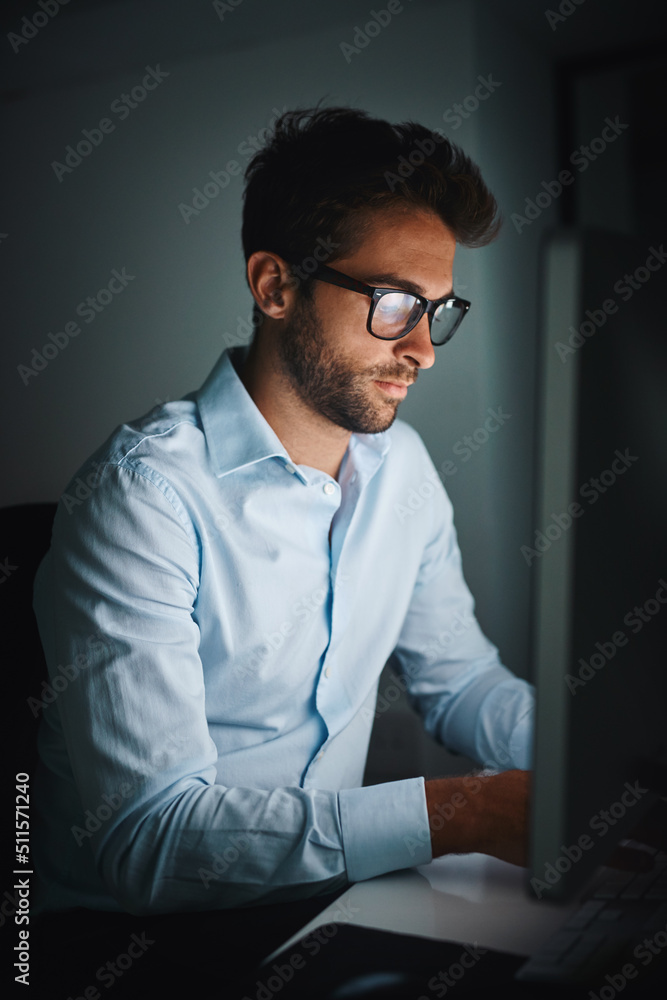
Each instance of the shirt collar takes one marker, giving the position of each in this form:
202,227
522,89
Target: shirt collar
238,435
236,432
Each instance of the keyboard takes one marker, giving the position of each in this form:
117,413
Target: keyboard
621,922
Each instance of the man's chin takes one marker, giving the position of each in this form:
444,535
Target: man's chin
374,420
386,423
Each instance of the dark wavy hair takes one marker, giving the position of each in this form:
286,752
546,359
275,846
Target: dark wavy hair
323,168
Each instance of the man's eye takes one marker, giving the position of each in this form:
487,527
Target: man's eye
396,304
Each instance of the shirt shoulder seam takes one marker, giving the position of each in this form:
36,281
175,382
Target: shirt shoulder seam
158,434
163,486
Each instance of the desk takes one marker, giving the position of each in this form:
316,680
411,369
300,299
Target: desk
457,898
463,920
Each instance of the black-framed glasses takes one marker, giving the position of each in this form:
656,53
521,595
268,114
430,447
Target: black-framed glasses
393,313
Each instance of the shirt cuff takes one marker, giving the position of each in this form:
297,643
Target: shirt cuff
385,828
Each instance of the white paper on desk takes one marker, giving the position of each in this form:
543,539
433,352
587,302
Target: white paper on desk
466,898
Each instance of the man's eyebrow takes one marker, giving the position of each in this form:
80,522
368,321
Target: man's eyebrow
391,280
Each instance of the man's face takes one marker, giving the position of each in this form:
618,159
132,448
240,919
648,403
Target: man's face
331,360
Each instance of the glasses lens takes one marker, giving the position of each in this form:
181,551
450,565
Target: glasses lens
393,312
445,321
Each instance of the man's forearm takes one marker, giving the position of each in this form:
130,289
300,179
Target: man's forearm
480,813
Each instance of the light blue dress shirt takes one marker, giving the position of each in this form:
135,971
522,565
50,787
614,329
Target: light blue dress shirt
214,662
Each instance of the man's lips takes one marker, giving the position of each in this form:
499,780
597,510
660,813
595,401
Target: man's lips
397,389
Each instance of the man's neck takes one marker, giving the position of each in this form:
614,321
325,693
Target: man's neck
309,438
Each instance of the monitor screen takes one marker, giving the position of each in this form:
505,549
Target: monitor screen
598,552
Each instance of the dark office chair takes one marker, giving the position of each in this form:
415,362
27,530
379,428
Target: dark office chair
25,536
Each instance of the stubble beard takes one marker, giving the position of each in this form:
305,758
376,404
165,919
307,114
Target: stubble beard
330,384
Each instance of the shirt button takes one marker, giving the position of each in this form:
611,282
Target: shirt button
328,488
289,468
327,671
320,755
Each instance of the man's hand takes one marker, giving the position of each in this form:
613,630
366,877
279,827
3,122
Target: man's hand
480,813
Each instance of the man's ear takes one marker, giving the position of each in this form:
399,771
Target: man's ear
271,283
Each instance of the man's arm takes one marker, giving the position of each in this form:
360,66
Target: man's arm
469,701
480,813
133,804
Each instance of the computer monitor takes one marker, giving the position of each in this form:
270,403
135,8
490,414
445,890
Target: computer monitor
598,552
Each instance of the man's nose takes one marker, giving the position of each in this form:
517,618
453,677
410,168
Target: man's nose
416,347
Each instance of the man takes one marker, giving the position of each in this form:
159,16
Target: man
224,601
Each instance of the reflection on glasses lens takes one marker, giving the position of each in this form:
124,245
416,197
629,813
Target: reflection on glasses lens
445,320
393,312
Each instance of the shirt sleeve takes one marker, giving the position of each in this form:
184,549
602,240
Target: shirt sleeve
468,699
164,834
